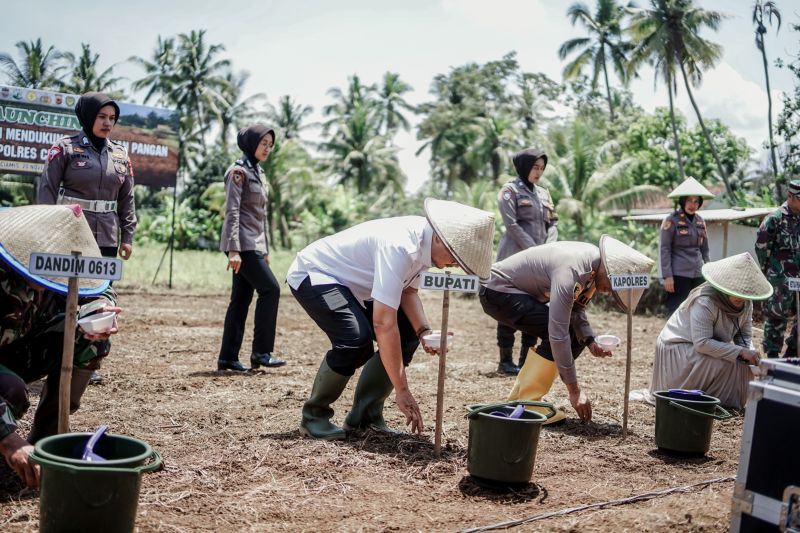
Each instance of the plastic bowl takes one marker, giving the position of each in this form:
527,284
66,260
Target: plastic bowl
98,323
434,339
607,342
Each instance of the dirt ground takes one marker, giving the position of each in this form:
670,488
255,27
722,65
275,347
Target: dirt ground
235,460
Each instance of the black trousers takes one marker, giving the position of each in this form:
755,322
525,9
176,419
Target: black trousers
525,313
683,286
349,326
254,276
505,337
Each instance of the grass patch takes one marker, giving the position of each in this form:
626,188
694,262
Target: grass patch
194,270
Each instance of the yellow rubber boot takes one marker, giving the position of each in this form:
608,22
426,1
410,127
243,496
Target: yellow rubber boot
534,380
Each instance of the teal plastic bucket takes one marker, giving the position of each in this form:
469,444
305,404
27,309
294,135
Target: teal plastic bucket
78,495
685,425
502,451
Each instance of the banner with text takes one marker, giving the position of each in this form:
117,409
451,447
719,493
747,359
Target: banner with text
32,120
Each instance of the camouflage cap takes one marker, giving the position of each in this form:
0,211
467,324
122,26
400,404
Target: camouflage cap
794,187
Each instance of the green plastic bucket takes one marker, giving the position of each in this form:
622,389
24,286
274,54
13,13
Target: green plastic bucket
502,451
78,495
684,425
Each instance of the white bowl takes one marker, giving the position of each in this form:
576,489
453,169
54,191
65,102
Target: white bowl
98,323
607,342
434,339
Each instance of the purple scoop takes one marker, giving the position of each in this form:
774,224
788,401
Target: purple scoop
685,394
516,413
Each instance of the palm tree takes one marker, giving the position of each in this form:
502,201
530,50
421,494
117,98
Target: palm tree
390,99
604,44
760,10
85,77
344,103
238,112
361,155
37,68
158,72
668,34
289,116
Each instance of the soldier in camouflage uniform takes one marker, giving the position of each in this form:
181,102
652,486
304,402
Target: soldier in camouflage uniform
32,325
778,251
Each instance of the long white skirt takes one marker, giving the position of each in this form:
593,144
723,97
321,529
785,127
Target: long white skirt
679,366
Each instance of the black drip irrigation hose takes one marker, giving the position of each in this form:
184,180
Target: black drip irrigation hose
599,505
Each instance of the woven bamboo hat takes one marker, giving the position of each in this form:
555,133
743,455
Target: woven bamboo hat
619,258
690,187
467,232
51,229
738,275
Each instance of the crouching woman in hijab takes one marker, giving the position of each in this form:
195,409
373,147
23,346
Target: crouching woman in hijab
707,343
245,242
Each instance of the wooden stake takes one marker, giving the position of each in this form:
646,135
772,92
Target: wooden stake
65,383
437,446
628,366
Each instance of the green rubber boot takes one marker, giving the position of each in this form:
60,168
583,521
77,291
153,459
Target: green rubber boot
373,388
317,412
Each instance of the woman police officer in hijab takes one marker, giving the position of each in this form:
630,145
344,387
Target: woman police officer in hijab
245,242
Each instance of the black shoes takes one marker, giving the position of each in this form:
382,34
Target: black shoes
234,366
265,359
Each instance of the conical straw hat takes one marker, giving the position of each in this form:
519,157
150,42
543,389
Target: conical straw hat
50,229
690,187
738,275
467,232
619,258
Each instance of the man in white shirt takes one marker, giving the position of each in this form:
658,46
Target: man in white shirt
361,284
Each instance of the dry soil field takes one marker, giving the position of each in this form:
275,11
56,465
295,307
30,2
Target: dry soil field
235,460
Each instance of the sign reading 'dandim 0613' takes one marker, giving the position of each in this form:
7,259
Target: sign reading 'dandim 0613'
794,284
621,282
448,282
75,266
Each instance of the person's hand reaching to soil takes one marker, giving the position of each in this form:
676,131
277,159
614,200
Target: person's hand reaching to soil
408,406
16,451
580,402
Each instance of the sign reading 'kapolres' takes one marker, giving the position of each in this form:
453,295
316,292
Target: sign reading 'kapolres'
32,120
621,282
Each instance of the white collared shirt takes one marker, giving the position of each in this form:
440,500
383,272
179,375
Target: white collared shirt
376,260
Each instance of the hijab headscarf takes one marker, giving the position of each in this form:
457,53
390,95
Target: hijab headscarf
524,161
86,110
248,139
720,300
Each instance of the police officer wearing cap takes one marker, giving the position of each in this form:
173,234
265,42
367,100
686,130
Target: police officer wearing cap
94,172
244,240
530,219
778,252
684,243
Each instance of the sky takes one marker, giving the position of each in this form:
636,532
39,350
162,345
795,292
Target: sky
304,47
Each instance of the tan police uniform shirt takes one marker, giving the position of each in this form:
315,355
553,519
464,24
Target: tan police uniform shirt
245,209
75,168
684,245
561,273
529,217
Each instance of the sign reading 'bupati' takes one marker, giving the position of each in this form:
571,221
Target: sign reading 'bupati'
32,120
448,282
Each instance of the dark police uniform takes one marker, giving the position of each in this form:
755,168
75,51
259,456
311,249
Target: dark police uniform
244,232
530,218
684,250
101,182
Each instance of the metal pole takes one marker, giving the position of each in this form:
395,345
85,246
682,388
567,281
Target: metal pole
65,382
628,366
172,231
437,446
